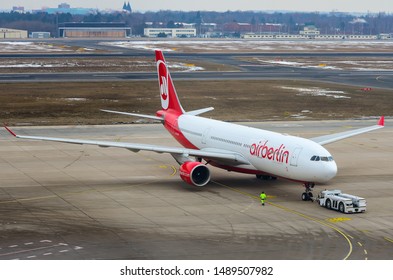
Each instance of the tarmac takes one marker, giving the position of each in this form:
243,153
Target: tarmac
63,201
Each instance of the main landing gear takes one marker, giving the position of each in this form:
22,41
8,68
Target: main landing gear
307,195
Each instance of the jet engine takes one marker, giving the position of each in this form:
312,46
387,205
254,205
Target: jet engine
195,173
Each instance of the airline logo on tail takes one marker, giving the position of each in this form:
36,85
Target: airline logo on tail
168,96
163,80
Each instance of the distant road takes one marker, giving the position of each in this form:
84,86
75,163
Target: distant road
381,79
128,52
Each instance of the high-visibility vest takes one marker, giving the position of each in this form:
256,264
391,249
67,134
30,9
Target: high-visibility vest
263,196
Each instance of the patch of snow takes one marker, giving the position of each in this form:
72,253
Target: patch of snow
75,99
319,92
297,64
301,45
144,45
282,62
298,116
31,47
37,65
186,67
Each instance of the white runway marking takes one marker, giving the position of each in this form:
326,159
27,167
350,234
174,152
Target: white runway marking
46,249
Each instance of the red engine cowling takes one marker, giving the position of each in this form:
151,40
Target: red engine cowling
195,173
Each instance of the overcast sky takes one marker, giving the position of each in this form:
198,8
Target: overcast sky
209,5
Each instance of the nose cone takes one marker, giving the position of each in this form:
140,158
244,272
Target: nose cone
329,171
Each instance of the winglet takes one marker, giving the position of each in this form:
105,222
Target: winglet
381,121
10,131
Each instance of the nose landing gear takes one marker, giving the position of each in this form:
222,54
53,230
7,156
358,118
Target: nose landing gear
307,195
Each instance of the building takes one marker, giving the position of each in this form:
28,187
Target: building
170,32
362,37
73,11
94,30
127,8
40,35
250,35
6,33
284,36
18,9
309,31
236,27
387,36
64,6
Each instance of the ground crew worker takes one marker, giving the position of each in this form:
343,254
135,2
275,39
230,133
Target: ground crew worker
262,196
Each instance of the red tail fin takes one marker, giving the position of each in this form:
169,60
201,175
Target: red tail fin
381,121
169,99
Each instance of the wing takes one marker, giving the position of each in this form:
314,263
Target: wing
326,139
194,113
212,154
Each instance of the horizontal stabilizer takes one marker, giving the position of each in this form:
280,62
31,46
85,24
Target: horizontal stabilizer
200,111
135,115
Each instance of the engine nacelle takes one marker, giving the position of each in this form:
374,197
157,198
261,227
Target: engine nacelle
195,173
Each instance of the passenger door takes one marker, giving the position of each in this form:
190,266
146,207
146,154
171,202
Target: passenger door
295,156
205,136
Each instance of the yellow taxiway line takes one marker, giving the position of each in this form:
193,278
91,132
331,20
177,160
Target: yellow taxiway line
346,237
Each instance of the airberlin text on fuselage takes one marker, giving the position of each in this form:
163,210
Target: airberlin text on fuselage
262,150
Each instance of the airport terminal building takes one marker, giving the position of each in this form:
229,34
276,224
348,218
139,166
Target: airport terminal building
170,32
7,33
94,30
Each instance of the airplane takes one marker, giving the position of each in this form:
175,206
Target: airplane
229,146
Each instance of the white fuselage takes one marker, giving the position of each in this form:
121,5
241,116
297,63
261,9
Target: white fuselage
268,152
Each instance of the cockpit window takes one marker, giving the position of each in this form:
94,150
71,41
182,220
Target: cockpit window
321,158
